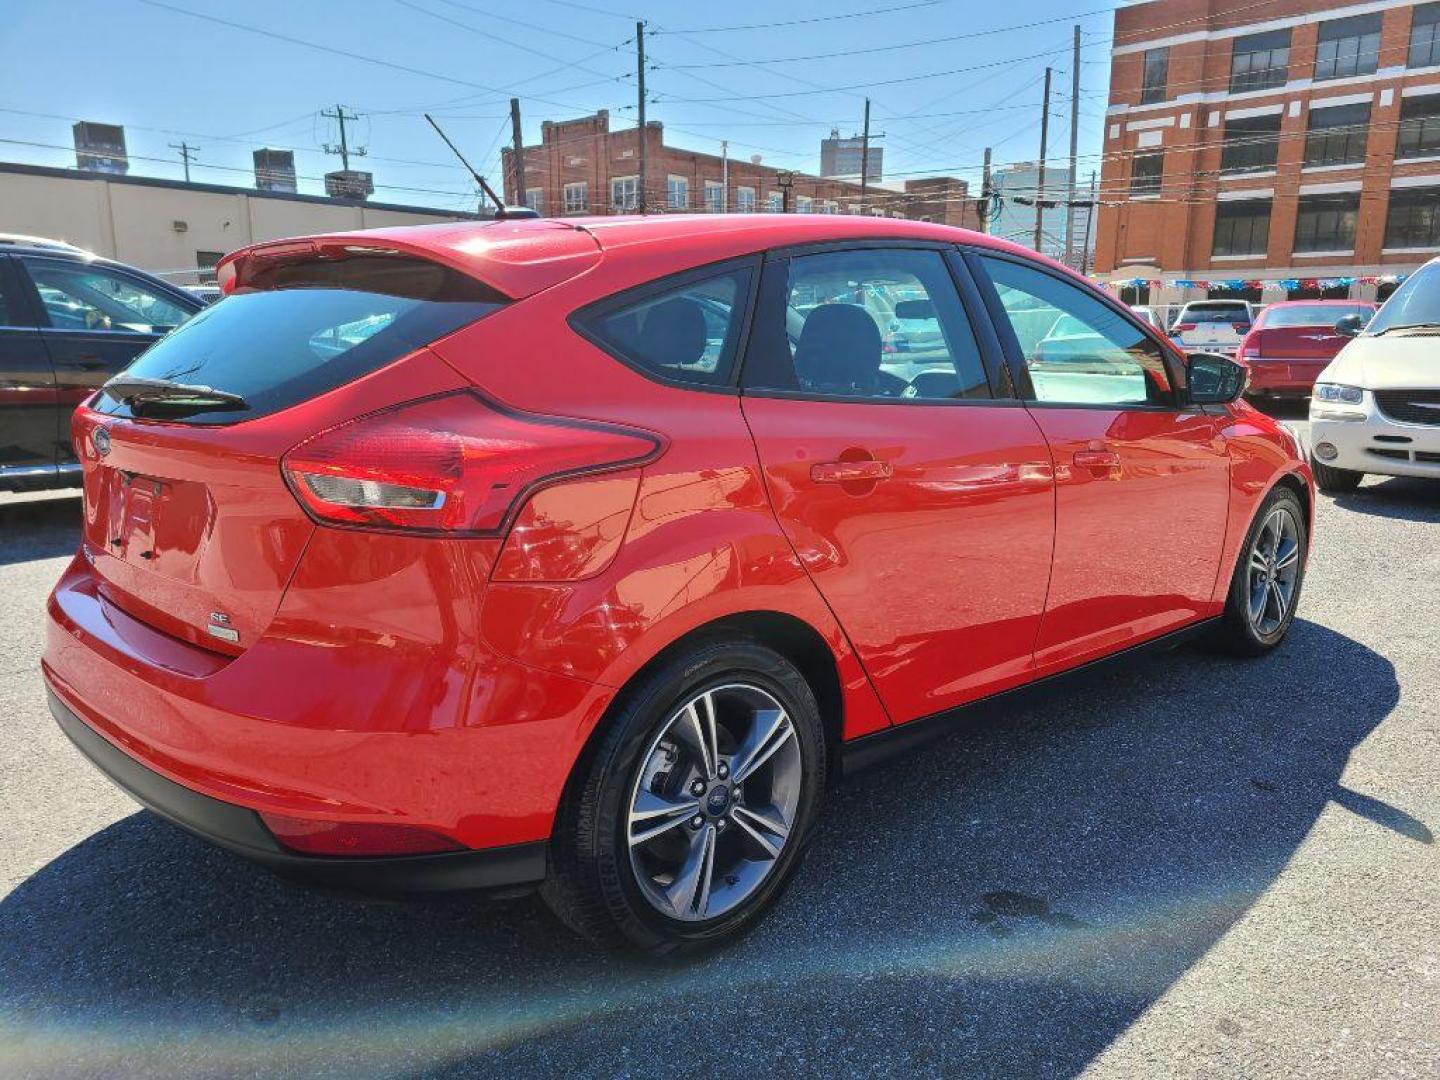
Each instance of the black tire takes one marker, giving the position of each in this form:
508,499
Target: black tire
1333,481
1236,633
591,885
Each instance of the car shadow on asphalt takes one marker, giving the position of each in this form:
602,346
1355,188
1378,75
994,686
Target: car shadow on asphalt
1005,902
1401,498
39,528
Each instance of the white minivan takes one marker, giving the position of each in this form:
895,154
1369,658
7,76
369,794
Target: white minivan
1376,407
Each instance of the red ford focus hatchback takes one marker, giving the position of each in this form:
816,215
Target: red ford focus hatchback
583,554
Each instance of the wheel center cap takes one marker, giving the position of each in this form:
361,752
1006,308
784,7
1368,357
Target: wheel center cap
718,801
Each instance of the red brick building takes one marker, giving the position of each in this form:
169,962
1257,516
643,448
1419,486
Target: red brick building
1272,142
582,167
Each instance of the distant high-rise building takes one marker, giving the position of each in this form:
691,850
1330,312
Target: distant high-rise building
840,159
100,147
275,170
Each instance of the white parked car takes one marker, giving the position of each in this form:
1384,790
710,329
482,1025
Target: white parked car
1376,407
1212,326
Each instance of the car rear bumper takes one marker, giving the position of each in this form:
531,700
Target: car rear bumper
1284,376
239,829
1372,442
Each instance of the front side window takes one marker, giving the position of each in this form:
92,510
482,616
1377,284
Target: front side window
577,198
1078,349
677,192
1157,75
1327,222
1337,135
1425,36
1419,127
1414,218
1260,61
1147,173
871,323
1242,228
689,333
714,196
625,193
1251,143
80,297
1348,47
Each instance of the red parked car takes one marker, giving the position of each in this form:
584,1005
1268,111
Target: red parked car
582,554
1292,342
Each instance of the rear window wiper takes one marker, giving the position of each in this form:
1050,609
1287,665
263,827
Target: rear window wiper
136,390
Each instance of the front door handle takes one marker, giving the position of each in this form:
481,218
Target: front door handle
1097,459
849,472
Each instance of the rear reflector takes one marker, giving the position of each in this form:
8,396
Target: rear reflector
354,838
453,465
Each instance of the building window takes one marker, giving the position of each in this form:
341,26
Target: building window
1146,173
677,192
1251,143
1425,36
1260,61
714,197
625,193
1337,135
577,198
1242,228
1157,74
1348,47
1419,127
1327,222
535,199
776,201
830,206
803,204
1414,220
745,200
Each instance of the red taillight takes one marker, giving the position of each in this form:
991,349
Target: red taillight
455,464
355,838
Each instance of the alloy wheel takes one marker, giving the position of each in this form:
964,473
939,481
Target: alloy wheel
1274,571
714,802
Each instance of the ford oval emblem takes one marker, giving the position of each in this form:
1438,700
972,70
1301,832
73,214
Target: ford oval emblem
101,438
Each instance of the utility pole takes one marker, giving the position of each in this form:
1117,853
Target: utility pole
1044,149
1089,217
186,153
340,115
517,142
640,87
865,161
987,197
1074,150
724,176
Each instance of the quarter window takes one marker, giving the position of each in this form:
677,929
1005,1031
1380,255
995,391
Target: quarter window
1078,349
1157,75
1425,36
872,324
1348,47
1242,228
1337,135
92,298
1327,222
1414,219
1260,61
1251,143
688,333
1419,127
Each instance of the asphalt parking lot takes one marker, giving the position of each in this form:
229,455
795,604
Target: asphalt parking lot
1199,866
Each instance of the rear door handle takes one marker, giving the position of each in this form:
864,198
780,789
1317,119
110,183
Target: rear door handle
1097,459
842,472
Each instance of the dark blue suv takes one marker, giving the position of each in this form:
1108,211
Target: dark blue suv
68,321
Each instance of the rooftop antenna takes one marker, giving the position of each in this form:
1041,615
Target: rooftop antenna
501,210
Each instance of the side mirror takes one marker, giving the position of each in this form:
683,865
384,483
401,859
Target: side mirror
1215,380
1350,326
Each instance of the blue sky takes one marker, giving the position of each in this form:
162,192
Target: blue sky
948,88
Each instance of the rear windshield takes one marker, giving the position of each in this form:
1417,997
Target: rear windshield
312,327
1315,315
1236,314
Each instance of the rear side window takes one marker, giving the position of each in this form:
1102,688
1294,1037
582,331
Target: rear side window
310,328
689,332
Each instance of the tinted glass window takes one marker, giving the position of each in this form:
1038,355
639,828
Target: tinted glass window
1250,143
1425,36
1419,134
689,333
1157,75
80,297
1337,135
1328,315
1077,348
1242,227
1327,222
1413,220
1147,173
1227,313
1348,47
872,323
1260,61
315,327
